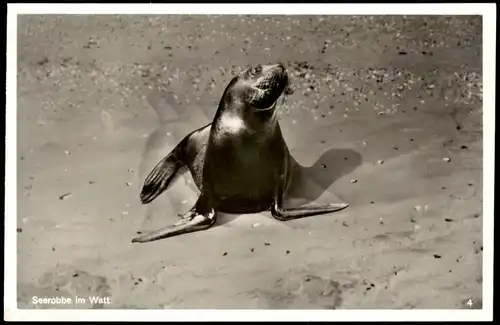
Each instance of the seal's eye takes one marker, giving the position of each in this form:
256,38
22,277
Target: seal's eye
256,70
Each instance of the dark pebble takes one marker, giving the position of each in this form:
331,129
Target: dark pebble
19,229
437,256
267,244
448,220
402,53
53,249
287,252
372,202
464,147
323,165
64,196
459,127
91,182
345,224
224,254
43,61
139,232
75,275
251,249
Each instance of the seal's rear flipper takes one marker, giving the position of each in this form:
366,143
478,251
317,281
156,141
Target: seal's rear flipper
282,214
161,176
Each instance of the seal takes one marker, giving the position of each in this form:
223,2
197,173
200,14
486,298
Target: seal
240,162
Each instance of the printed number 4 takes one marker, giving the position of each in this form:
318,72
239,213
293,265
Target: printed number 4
469,302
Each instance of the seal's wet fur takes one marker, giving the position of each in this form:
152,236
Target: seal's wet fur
240,162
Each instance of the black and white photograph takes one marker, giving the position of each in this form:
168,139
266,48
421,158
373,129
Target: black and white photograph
318,161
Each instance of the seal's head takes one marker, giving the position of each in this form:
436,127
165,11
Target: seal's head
259,86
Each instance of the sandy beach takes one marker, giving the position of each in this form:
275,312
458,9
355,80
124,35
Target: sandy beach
386,116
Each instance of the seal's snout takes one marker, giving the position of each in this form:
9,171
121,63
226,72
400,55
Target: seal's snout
281,66
267,84
272,77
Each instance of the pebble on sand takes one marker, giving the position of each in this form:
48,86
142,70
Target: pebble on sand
354,181
446,159
417,208
128,184
380,162
65,196
256,225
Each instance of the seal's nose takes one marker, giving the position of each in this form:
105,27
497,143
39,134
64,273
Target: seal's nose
281,65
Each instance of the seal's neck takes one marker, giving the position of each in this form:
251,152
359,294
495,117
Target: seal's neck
239,116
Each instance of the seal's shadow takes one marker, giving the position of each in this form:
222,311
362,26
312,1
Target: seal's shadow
310,183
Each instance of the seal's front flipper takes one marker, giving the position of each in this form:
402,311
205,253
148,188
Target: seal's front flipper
191,222
200,217
161,176
279,213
